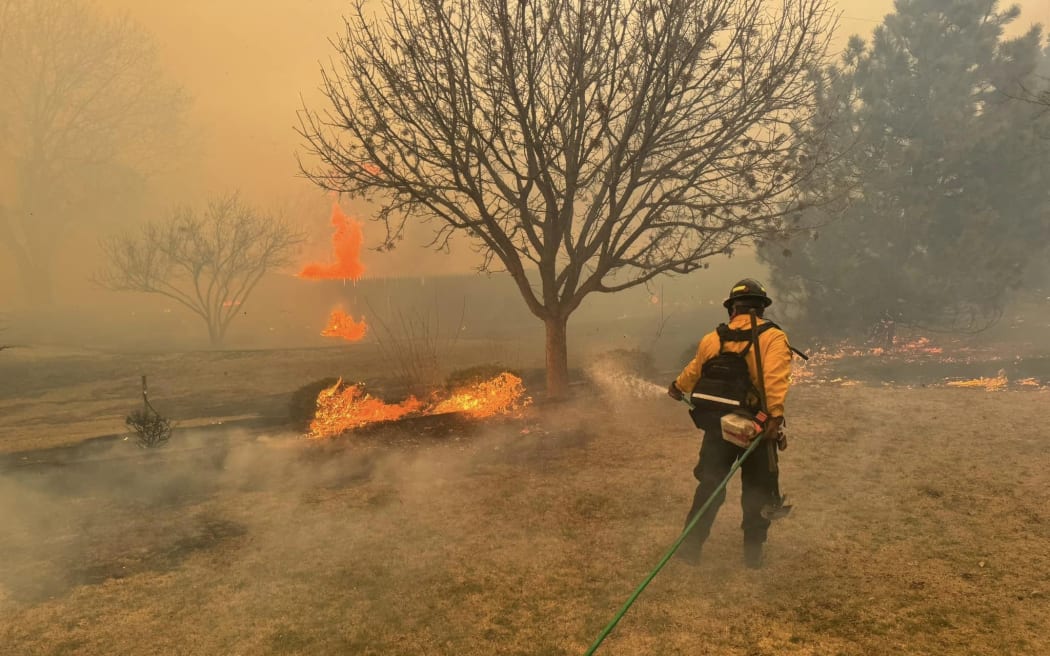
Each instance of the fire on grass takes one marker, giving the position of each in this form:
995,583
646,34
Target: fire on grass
342,407
830,366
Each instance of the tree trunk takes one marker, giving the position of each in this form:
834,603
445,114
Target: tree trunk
557,358
215,333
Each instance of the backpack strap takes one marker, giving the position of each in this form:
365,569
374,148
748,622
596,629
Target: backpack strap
727,334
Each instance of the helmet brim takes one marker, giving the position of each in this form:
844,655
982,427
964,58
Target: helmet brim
766,301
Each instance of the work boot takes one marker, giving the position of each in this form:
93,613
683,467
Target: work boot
753,555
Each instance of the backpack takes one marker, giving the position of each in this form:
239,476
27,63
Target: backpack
725,380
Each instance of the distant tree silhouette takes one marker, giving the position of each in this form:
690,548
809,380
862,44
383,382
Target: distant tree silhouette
208,262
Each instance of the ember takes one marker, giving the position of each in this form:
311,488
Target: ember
341,324
341,408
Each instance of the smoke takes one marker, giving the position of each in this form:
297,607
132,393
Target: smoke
615,380
113,512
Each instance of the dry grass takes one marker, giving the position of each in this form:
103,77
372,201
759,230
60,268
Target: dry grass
502,542
52,398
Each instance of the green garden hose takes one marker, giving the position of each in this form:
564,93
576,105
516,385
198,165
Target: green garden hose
674,547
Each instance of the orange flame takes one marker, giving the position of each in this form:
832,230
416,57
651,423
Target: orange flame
342,408
346,251
989,384
503,395
341,324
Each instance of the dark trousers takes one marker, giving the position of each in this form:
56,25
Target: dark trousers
759,486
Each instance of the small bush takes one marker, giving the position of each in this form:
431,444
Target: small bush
151,429
303,403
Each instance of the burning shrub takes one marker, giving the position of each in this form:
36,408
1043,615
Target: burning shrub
477,374
341,408
502,395
345,407
303,404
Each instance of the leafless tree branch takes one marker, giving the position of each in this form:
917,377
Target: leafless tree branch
583,145
207,262
85,112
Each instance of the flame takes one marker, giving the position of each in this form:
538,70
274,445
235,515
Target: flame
341,408
502,395
989,384
341,324
346,251
920,351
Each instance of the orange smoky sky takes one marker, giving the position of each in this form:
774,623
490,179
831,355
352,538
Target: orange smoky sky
250,65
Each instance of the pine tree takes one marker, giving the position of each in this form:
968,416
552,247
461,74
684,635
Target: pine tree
949,182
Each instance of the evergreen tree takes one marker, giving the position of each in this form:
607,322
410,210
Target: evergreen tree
948,179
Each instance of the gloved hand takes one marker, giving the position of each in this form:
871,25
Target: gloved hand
674,392
772,428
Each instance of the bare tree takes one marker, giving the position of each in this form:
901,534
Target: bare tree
582,145
208,262
85,112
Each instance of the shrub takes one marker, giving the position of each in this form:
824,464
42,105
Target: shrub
151,429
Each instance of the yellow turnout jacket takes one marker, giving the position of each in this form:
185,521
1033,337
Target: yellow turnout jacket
776,361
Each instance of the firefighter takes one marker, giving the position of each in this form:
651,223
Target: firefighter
718,351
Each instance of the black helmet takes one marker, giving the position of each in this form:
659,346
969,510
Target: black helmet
747,289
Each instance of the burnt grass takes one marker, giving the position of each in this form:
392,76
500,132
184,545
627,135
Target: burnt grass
920,527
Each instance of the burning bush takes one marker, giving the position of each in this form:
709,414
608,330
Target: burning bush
346,407
303,404
502,395
477,374
340,407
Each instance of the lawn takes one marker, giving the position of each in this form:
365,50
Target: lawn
920,527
